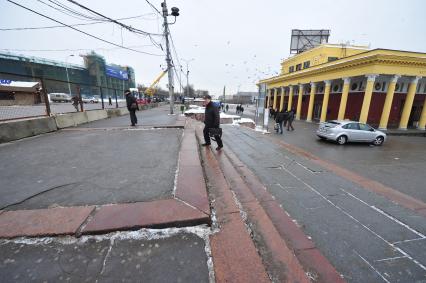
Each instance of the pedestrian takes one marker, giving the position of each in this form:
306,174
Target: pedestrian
75,101
109,101
132,106
242,110
279,119
271,112
227,108
212,123
290,119
285,117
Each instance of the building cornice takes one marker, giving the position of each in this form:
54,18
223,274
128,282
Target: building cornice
355,61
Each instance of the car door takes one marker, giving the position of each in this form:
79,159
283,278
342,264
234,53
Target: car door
352,130
367,133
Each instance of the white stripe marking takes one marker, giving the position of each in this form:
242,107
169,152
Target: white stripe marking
356,220
372,267
390,258
386,215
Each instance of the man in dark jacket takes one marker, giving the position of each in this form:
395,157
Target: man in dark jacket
211,121
290,120
132,106
279,119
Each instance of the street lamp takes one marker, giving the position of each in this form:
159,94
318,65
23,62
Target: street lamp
187,73
66,70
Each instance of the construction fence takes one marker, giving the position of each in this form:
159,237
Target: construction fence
31,96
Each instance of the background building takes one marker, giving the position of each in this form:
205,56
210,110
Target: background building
90,78
241,97
385,88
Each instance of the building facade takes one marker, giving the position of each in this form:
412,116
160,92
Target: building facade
385,88
241,97
89,78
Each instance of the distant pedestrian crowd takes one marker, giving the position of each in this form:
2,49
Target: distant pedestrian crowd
240,109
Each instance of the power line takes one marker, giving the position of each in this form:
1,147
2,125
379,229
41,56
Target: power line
132,29
150,4
73,25
88,34
67,11
68,50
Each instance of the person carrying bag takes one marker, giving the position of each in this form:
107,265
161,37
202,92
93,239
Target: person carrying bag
212,124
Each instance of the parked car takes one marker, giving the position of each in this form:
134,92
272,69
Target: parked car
350,131
142,101
59,97
89,99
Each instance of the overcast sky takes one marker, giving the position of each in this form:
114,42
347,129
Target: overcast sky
233,43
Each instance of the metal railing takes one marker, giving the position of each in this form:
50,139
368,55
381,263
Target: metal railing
54,97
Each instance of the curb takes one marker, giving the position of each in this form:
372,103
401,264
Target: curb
235,258
305,250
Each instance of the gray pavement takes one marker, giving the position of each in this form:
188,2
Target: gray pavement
153,117
400,163
121,257
365,236
76,167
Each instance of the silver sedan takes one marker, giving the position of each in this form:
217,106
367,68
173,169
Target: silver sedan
350,131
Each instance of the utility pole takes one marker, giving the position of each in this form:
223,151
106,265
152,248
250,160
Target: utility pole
187,74
224,100
168,57
187,78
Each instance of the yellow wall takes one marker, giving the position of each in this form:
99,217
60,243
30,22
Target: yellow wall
319,55
377,61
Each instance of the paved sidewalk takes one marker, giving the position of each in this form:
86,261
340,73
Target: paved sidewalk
60,190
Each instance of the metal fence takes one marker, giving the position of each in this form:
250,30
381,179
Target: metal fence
53,97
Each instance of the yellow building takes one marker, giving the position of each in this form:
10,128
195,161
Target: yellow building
386,88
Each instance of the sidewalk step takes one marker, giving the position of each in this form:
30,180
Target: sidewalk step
235,258
312,260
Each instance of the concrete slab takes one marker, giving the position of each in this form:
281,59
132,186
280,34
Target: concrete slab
156,214
52,262
43,222
176,258
180,258
98,167
15,130
94,115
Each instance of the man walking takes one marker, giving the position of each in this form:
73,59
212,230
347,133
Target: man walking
212,123
227,108
132,106
75,102
109,101
290,120
280,117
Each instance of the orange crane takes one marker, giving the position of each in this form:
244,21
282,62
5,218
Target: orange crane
153,87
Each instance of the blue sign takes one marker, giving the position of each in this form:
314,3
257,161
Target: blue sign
116,72
5,82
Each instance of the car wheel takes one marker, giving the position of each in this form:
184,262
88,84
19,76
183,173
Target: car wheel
378,141
342,140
